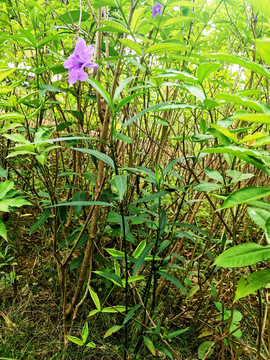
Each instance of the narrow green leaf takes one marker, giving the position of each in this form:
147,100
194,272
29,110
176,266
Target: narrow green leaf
83,203
94,298
132,45
114,252
112,330
91,345
44,216
102,91
142,257
131,313
175,334
103,157
112,277
85,331
162,47
121,184
139,249
150,345
79,197
205,186
122,85
75,340
152,197
112,26
3,230
174,281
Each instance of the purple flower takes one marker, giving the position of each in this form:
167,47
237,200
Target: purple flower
77,61
156,9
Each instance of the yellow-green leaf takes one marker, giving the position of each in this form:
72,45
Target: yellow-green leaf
112,330
162,47
132,45
150,345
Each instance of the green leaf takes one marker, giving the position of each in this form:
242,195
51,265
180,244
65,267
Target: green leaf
73,16
125,101
178,20
254,281
131,313
235,59
261,5
75,340
121,184
112,277
254,157
91,345
94,298
112,26
175,334
263,47
258,118
3,230
3,173
4,73
241,101
162,47
150,345
79,197
102,91
85,332
40,221
132,45
174,281
103,157
259,216
224,132
214,174
83,203
139,249
203,348
135,117
205,186
243,255
112,330
152,197
15,202
238,175
122,85
114,252
142,257
245,195
165,351
5,187
204,70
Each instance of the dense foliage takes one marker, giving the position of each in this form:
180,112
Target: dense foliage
134,194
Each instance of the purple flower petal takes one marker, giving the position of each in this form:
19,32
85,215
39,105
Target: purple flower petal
156,9
78,60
